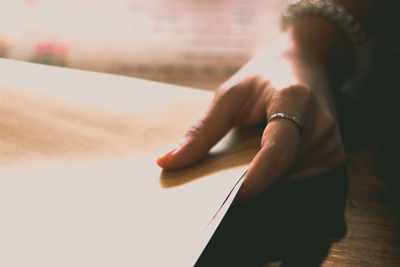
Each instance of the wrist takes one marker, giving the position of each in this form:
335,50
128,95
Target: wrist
317,42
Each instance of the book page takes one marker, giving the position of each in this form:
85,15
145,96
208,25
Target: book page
79,185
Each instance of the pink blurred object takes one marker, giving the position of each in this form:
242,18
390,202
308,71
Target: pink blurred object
30,2
52,47
185,42
51,53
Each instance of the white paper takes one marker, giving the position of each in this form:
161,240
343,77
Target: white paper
78,181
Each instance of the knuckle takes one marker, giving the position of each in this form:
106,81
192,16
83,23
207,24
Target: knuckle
196,129
296,100
302,93
326,129
234,90
224,95
198,133
232,84
327,122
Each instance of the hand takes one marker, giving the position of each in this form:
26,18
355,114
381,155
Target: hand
276,80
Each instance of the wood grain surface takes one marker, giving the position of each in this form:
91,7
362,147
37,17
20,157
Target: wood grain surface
372,216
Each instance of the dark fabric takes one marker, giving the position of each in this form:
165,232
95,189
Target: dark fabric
370,107
295,222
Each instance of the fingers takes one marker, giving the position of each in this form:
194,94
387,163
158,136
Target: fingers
280,139
277,154
202,136
279,145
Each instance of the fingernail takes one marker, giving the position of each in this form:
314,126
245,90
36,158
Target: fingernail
166,154
181,144
161,159
182,141
175,148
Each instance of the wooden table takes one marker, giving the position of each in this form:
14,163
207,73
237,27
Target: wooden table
372,216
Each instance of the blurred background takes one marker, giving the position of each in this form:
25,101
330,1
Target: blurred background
196,43
200,43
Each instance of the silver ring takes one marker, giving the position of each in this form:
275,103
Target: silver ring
289,117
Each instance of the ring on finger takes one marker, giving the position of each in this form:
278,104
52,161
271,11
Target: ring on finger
292,118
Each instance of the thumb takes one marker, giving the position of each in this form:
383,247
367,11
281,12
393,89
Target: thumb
200,137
